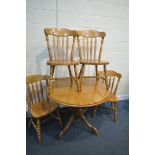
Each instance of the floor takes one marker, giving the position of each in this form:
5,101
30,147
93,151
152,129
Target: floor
112,140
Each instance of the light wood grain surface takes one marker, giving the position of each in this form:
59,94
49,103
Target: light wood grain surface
93,92
38,102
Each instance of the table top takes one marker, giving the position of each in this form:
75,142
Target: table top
93,92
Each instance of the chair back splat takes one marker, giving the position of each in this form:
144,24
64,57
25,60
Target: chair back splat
61,46
90,43
113,79
59,43
36,89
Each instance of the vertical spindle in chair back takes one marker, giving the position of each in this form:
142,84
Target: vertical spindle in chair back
61,47
87,43
36,88
90,45
113,79
59,42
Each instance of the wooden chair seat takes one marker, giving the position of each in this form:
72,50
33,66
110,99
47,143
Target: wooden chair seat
39,110
94,62
62,62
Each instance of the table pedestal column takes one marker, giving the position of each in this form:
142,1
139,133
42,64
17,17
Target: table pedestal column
78,113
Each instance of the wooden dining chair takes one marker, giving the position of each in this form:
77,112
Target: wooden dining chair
61,45
90,44
39,105
113,79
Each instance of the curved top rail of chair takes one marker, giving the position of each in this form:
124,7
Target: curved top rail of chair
35,78
110,73
61,32
91,33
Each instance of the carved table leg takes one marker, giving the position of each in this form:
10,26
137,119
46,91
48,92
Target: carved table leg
65,129
92,129
94,111
59,117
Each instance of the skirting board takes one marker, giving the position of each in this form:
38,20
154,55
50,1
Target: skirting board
123,97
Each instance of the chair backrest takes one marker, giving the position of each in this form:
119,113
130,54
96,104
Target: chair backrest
36,89
90,44
59,42
113,79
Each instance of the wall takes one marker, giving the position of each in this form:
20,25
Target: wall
110,16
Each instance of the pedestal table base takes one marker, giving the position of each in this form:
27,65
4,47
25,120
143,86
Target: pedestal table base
78,113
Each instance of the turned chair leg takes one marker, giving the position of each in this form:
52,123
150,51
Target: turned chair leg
52,70
94,111
96,70
39,131
83,69
114,106
59,117
115,113
76,78
106,80
81,74
70,74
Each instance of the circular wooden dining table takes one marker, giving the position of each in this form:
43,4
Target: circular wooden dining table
93,92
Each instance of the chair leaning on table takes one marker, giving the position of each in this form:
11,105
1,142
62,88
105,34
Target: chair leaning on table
38,103
58,44
90,51
113,79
